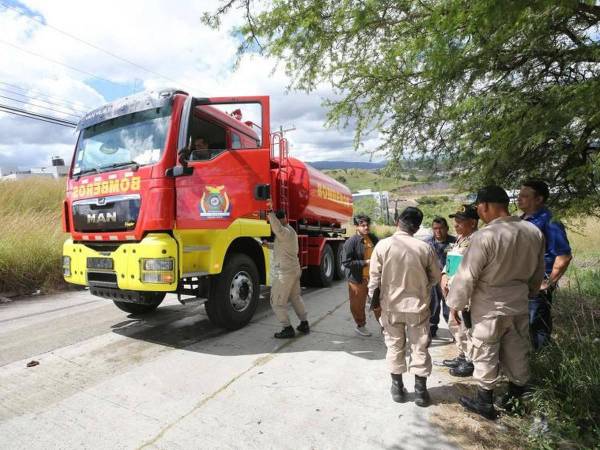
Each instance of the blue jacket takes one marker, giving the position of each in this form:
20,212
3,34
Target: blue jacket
554,232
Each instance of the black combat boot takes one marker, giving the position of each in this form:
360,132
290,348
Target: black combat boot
397,390
303,327
509,400
287,333
464,369
454,362
482,404
421,394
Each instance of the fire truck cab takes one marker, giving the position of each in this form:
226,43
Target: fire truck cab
167,193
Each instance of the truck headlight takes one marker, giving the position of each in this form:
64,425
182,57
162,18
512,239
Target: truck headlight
158,270
66,266
157,277
158,264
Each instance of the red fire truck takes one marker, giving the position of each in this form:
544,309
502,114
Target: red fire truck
167,193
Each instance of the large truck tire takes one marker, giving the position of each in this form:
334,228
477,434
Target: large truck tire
340,272
322,275
234,294
151,300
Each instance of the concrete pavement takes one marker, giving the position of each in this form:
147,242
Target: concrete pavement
172,380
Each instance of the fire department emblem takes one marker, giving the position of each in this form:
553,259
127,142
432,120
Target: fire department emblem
215,202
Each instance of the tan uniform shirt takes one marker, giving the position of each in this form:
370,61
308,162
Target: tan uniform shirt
285,248
502,267
404,268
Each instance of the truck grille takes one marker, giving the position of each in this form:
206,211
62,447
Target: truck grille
102,279
115,213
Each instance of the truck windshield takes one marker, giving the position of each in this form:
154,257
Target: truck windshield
136,139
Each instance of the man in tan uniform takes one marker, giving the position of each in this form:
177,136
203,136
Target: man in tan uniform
285,276
402,270
502,268
465,224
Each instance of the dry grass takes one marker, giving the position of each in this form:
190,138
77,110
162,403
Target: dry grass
584,236
31,241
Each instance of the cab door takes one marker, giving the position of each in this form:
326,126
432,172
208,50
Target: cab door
231,183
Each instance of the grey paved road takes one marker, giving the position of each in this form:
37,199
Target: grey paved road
171,380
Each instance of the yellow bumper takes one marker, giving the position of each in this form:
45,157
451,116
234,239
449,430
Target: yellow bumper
127,263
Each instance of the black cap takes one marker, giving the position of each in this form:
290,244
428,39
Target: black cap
492,194
466,212
280,213
411,216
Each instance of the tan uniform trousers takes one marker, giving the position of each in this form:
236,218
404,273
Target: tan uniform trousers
500,343
461,337
285,288
400,328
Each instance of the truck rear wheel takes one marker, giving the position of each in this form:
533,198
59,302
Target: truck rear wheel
339,273
322,275
151,300
234,294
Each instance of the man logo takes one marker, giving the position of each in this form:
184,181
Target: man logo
102,217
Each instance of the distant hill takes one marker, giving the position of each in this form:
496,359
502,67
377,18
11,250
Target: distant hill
331,165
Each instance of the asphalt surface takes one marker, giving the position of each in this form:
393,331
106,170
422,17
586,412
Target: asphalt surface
172,380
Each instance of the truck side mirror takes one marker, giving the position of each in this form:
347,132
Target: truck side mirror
262,192
179,171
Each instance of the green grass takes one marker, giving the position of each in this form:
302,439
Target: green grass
31,240
566,374
357,179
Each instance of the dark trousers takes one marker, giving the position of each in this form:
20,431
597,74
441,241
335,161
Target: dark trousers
437,304
540,319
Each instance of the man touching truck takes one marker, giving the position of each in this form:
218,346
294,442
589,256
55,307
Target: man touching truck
285,275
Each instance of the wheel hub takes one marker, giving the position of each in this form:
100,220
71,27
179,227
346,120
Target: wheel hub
241,291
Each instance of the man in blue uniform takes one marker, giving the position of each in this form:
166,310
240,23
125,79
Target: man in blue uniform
531,200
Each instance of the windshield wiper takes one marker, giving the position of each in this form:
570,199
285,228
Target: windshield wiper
83,172
135,166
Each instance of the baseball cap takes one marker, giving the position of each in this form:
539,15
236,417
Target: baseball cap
492,194
466,212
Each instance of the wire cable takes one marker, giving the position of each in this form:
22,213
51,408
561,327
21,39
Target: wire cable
36,93
41,117
30,102
54,61
90,44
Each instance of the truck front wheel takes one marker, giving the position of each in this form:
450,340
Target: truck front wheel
150,300
234,294
322,275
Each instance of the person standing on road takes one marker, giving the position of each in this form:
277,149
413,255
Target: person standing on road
501,269
439,241
532,201
285,275
401,273
465,224
357,253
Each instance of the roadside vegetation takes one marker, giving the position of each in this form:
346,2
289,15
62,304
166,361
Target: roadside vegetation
566,375
31,240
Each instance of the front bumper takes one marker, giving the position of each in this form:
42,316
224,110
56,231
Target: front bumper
126,270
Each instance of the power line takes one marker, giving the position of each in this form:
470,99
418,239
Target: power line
41,117
89,44
54,61
57,100
30,101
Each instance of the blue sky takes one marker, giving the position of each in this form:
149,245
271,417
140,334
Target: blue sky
147,45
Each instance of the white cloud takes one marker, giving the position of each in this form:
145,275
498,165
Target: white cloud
166,39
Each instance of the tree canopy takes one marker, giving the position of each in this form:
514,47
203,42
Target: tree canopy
500,91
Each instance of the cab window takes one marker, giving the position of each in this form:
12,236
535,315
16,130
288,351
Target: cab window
206,139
